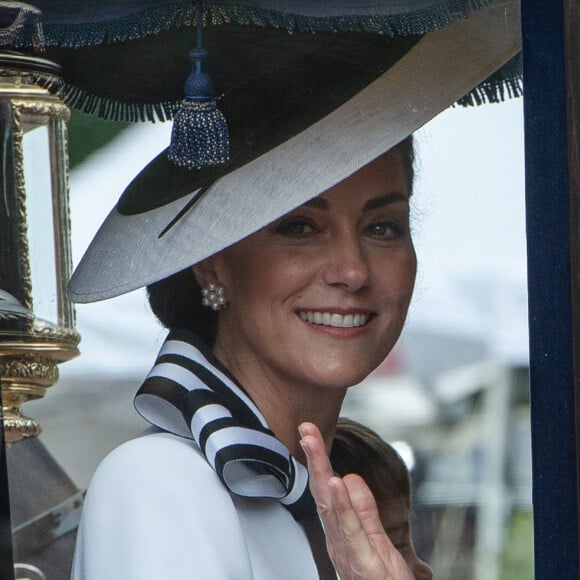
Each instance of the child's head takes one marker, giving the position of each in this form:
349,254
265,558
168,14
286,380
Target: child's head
358,449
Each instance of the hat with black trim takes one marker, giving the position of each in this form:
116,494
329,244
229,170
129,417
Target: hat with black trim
310,92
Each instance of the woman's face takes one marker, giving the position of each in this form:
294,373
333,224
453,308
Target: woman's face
319,297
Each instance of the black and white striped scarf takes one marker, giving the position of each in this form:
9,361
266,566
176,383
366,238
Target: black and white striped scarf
189,393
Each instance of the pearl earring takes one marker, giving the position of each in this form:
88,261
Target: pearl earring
213,297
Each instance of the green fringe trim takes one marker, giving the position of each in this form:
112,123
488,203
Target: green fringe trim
134,27
51,83
414,23
178,14
506,83
493,90
25,31
113,110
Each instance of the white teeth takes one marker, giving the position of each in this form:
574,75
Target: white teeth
333,319
337,320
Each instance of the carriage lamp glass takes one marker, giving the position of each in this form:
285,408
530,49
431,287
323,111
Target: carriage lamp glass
37,326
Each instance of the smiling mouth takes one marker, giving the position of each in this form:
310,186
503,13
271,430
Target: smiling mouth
334,319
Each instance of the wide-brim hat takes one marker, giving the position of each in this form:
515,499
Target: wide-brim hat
304,111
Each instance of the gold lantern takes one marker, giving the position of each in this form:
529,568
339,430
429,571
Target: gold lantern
37,325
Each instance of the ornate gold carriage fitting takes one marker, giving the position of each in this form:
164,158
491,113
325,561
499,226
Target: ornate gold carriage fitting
37,324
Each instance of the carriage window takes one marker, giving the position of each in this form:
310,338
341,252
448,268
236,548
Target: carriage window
453,395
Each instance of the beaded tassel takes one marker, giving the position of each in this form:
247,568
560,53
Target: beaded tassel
199,137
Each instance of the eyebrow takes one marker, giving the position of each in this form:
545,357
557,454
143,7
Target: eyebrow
384,200
375,203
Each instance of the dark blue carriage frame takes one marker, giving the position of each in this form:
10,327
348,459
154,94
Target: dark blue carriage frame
552,261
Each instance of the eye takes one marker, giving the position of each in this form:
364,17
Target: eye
401,545
386,230
294,227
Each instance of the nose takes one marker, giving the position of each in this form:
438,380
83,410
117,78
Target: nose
345,262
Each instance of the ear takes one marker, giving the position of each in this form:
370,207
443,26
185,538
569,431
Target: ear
205,272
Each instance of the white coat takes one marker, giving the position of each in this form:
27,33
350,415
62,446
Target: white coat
155,510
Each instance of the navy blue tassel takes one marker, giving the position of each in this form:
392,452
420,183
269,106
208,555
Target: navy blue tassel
200,136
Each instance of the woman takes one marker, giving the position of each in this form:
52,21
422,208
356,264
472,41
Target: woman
299,252
315,301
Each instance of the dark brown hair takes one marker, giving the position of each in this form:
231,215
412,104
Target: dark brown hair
358,449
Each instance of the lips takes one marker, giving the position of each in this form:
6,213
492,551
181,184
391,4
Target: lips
334,319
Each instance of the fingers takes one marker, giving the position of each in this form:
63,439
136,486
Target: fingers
365,506
357,543
349,547
320,471
320,477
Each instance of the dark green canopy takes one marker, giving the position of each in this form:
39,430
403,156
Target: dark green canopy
128,59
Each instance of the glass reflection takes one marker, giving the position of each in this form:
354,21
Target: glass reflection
455,388
454,391
41,225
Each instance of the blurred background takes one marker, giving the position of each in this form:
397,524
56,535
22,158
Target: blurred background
452,396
